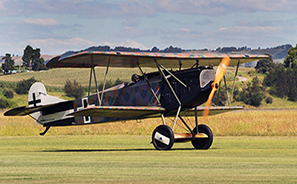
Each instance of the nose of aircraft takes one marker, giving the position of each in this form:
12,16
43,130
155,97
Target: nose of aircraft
215,85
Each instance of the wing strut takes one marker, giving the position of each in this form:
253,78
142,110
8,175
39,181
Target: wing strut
103,88
173,75
234,80
176,97
146,80
229,102
90,81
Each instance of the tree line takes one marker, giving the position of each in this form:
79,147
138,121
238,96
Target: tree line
32,60
280,80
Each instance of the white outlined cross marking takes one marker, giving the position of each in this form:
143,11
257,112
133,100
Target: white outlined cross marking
85,104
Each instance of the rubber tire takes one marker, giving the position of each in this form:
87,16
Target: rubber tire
203,143
165,131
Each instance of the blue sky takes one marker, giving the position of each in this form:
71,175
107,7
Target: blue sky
57,26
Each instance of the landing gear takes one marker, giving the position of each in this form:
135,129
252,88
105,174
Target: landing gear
202,143
163,137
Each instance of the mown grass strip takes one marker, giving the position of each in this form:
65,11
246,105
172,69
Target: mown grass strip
132,159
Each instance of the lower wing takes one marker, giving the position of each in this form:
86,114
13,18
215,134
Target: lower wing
130,112
127,112
212,110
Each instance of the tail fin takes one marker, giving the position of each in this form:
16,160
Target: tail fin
38,97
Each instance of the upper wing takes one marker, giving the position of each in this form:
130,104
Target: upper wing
127,112
88,59
212,110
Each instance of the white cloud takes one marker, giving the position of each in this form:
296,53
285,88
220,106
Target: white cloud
221,7
262,5
223,29
130,32
127,43
140,8
41,21
252,36
252,29
1,5
56,46
199,7
185,30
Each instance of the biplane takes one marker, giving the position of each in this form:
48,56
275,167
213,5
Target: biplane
163,93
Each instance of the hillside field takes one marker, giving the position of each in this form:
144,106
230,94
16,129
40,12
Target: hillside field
57,77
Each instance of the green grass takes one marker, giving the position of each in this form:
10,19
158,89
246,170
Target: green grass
238,123
132,159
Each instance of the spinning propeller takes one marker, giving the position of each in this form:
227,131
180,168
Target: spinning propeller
215,85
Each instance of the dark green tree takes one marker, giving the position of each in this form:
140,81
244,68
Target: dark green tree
278,82
27,56
252,94
265,65
38,64
8,64
291,58
291,75
31,59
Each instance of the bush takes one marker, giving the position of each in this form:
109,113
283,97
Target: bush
73,90
269,100
8,93
24,86
252,94
4,103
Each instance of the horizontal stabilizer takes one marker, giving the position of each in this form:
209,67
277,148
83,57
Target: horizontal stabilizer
22,111
47,109
127,112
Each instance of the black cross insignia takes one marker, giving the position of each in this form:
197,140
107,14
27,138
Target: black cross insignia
34,101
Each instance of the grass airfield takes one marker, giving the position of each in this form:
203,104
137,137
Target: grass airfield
249,146
132,159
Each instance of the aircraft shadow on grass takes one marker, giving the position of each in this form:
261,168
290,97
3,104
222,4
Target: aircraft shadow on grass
111,150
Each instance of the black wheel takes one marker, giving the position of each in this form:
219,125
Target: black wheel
203,143
163,137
